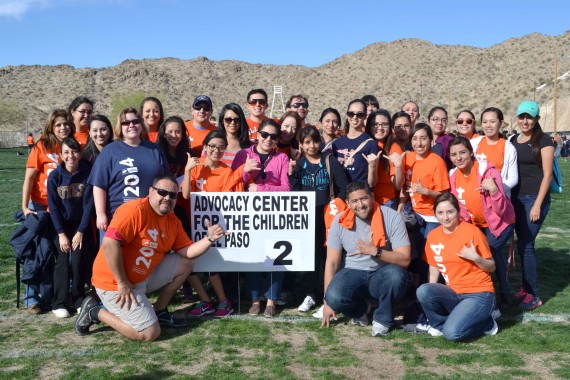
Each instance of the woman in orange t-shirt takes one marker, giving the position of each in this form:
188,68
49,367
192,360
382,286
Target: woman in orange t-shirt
81,111
385,174
152,115
461,309
43,159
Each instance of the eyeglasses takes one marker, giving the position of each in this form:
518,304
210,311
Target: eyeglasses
261,102
437,120
126,123
381,125
164,193
360,115
85,112
205,108
228,120
264,135
404,126
469,121
299,105
213,147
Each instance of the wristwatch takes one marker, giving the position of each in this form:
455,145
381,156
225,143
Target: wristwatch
378,253
210,239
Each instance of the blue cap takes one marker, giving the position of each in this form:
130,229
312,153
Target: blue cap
530,107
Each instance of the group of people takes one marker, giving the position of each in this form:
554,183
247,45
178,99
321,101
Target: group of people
399,204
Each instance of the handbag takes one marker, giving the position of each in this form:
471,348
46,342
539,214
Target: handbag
335,205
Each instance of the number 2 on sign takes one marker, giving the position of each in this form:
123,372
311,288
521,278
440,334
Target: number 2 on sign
280,260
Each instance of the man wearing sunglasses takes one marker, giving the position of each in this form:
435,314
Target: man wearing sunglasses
299,104
257,105
200,124
134,260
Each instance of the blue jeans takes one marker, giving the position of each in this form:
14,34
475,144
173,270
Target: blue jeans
497,244
39,290
253,283
526,235
392,203
458,316
349,288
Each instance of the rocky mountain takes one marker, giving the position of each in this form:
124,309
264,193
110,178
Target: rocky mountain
455,77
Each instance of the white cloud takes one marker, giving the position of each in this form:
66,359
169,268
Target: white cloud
17,8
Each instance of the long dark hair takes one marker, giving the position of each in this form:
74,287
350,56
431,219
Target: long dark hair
388,140
243,134
182,147
91,152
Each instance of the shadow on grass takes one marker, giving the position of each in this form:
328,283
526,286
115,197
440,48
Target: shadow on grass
156,374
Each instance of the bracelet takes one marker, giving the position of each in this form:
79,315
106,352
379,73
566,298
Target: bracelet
212,241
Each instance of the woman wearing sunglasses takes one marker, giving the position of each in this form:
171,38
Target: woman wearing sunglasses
233,126
352,149
210,174
465,124
494,149
125,168
271,174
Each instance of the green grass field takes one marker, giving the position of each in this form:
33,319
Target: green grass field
530,345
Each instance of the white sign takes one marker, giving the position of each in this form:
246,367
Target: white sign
269,232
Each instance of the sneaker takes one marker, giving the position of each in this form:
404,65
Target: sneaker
61,313
422,328
521,294
224,309
496,313
319,313
84,319
34,309
167,320
284,298
255,308
530,302
378,329
434,332
494,330
307,304
203,308
362,321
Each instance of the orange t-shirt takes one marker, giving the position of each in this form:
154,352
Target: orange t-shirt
253,126
145,238
432,172
495,154
384,189
469,197
82,137
43,162
152,136
462,275
196,136
202,178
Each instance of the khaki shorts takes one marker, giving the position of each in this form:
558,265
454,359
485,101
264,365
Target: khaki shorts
142,316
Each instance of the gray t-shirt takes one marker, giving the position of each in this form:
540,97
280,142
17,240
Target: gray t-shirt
345,240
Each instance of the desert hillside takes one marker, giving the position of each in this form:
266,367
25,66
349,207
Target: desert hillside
455,77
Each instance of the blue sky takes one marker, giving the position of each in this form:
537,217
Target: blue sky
101,33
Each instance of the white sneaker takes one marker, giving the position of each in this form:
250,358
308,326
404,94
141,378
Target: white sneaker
494,330
422,328
434,332
361,321
319,313
496,313
61,313
378,329
307,304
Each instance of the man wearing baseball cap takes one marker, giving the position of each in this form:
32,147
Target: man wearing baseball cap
200,124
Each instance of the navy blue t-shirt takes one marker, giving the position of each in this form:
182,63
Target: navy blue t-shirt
357,166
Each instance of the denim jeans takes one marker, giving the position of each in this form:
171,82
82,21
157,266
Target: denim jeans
458,316
497,244
526,235
254,280
349,288
39,290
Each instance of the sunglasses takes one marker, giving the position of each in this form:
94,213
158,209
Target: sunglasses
360,115
468,120
213,147
126,123
164,193
205,108
261,102
264,135
299,105
228,120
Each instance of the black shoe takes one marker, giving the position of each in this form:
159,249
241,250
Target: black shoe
84,319
167,320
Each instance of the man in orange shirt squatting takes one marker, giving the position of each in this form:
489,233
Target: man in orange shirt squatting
368,251
134,260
